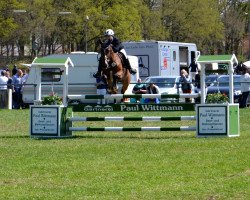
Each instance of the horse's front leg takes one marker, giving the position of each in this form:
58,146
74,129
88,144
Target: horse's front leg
114,86
118,75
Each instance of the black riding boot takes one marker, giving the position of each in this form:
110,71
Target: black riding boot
98,73
128,66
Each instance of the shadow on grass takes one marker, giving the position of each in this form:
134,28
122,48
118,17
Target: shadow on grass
13,136
77,137
132,137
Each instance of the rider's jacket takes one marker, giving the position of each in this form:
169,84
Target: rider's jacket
116,44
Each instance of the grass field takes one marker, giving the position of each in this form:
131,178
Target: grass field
124,165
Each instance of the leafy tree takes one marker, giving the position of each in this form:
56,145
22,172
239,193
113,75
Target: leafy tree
152,21
215,26
7,24
235,16
193,21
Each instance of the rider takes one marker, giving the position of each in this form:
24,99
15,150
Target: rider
117,47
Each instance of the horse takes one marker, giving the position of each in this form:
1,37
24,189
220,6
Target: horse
114,70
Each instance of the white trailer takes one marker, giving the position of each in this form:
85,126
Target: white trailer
80,76
162,58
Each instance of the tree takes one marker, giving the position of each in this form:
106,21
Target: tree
7,24
235,16
152,21
193,21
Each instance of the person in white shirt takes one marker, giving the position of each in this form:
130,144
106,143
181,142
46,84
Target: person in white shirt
3,80
245,87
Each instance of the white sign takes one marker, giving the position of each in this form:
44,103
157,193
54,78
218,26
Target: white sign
212,120
44,120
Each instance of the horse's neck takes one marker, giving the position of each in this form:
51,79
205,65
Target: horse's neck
115,57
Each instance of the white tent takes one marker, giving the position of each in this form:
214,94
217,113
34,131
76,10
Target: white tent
247,63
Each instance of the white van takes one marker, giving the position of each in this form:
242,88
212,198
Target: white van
81,80
162,58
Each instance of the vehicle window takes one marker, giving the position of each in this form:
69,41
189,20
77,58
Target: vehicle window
211,80
162,82
51,74
237,81
174,55
224,81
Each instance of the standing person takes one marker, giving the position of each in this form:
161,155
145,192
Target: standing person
197,82
117,47
3,90
14,70
153,89
193,69
3,80
185,84
25,75
9,82
245,86
17,94
139,88
101,88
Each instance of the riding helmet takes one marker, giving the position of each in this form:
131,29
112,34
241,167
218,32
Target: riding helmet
109,32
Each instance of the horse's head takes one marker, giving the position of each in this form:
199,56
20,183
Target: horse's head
108,51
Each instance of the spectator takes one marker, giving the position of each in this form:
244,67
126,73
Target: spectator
25,75
185,84
101,88
245,86
152,89
238,68
3,80
9,82
3,90
139,88
14,70
193,69
17,94
7,68
197,82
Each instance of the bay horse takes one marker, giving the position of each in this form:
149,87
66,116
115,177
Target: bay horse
115,71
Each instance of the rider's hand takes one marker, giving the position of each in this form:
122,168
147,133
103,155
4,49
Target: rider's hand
100,41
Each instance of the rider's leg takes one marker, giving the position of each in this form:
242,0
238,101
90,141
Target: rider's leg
127,63
98,73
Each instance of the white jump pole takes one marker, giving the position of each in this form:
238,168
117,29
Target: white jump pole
9,99
231,82
38,83
65,86
203,85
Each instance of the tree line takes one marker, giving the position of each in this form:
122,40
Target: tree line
44,26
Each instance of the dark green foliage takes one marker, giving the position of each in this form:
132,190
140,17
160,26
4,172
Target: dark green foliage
215,26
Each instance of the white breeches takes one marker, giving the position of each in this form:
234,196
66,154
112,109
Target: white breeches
124,53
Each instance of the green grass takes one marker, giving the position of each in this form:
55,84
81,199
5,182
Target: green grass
123,165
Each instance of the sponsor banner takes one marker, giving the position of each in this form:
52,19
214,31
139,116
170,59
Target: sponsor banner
44,120
212,120
133,107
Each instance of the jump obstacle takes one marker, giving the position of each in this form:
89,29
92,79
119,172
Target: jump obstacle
119,118
57,121
121,96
